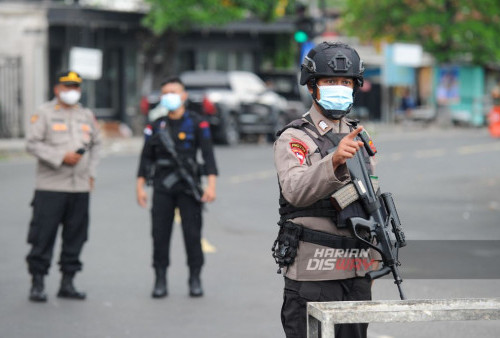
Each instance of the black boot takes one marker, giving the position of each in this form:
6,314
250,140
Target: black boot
160,288
37,294
195,289
67,289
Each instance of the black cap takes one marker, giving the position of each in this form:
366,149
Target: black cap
69,77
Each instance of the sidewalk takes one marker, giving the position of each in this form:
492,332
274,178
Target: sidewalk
16,147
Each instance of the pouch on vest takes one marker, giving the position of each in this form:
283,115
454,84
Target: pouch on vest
286,244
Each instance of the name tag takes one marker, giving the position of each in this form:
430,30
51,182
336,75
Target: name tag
59,127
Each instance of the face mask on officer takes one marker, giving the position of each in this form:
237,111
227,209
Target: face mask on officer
70,97
335,98
171,101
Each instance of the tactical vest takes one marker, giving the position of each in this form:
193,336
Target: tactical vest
323,208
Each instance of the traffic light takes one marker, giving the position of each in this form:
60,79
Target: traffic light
304,29
300,36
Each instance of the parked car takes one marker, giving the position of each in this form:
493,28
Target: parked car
286,84
149,102
235,103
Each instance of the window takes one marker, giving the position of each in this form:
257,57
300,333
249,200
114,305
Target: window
224,60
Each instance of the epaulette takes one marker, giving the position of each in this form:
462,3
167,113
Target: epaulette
297,124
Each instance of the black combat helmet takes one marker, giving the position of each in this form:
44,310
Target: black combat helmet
332,59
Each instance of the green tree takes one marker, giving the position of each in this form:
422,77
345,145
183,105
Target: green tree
168,18
450,30
180,15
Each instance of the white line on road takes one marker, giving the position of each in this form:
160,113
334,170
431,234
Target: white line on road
421,154
396,156
259,175
438,152
479,148
207,247
428,153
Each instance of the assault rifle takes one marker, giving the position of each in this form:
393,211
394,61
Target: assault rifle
383,218
180,170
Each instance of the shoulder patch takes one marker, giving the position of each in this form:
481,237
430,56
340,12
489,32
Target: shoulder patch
33,118
299,149
205,129
148,131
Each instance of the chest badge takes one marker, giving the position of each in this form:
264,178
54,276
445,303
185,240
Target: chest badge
299,149
59,127
323,125
181,136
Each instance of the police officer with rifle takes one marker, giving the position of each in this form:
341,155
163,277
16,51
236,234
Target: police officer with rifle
332,230
169,163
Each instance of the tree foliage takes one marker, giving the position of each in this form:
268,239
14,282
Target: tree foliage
450,30
180,15
168,19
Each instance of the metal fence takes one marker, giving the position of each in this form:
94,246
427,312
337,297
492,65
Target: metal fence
11,103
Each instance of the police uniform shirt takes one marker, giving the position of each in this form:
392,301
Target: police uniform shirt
305,178
54,131
189,134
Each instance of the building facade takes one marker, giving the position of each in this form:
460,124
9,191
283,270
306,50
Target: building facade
38,37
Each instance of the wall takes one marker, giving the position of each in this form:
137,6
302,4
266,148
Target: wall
23,29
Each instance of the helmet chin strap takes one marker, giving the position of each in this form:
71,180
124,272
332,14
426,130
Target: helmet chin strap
331,114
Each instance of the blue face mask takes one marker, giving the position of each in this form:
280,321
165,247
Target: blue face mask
171,101
335,98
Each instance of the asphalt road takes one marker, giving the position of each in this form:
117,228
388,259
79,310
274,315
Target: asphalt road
445,183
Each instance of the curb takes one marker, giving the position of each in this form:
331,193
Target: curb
16,148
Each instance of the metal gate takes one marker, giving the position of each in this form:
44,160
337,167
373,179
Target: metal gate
11,103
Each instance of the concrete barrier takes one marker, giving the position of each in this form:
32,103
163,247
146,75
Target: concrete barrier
322,316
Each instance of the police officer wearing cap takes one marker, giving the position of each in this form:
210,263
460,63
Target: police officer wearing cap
315,248
169,162
65,139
